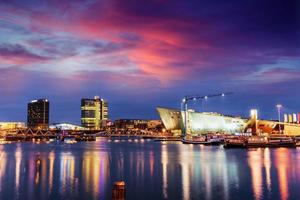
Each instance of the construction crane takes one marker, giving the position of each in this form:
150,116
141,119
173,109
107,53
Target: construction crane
189,98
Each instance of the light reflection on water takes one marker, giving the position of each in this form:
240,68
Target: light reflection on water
151,170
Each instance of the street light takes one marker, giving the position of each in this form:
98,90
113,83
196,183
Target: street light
279,106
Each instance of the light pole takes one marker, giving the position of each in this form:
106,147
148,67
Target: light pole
184,108
279,106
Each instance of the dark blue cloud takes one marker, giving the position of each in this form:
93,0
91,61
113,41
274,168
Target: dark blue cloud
140,54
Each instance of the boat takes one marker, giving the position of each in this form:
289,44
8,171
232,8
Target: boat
165,139
261,142
281,142
234,143
256,141
202,140
194,140
215,141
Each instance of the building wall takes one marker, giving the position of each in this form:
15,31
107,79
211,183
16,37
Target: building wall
205,122
198,123
272,127
292,129
171,118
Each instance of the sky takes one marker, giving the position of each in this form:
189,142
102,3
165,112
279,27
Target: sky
142,54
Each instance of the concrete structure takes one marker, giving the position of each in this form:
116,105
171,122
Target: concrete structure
38,114
94,113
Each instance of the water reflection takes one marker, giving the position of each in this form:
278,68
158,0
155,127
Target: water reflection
164,159
18,158
51,170
3,159
255,164
283,164
262,158
187,163
67,172
151,170
267,164
95,171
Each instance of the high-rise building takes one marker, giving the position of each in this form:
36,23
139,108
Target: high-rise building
38,114
94,113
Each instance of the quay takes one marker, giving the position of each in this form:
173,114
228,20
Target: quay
19,135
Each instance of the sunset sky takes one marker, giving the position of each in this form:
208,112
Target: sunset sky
140,54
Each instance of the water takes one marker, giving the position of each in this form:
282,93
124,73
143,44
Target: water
151,170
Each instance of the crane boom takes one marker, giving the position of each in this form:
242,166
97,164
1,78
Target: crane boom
197,97
188,98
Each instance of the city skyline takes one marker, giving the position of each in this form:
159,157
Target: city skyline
139,55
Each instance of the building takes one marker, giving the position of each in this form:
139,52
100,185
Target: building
38,114
11,125
200,123
204,122
154,124
94,113
131,124
66,127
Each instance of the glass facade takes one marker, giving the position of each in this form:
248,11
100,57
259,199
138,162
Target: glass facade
94,113
38,114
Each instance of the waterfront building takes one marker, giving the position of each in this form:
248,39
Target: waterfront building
38,114
66,126
131,124
94,113
11,125
204,122
154,124
138,124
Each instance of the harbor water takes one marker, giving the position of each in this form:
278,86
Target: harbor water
151,170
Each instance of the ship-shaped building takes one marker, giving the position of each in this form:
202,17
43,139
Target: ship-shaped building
205,122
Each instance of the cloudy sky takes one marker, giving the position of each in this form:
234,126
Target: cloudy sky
142,54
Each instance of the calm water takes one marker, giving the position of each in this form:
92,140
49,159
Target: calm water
152,170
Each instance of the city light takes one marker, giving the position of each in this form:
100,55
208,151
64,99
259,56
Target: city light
279,106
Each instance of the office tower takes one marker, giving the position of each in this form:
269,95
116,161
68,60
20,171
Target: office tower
38,114
94,113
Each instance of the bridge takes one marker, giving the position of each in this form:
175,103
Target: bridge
27,134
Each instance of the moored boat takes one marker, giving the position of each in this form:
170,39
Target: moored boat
282,142
260,142
194,140
256,141
234,143
202,140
